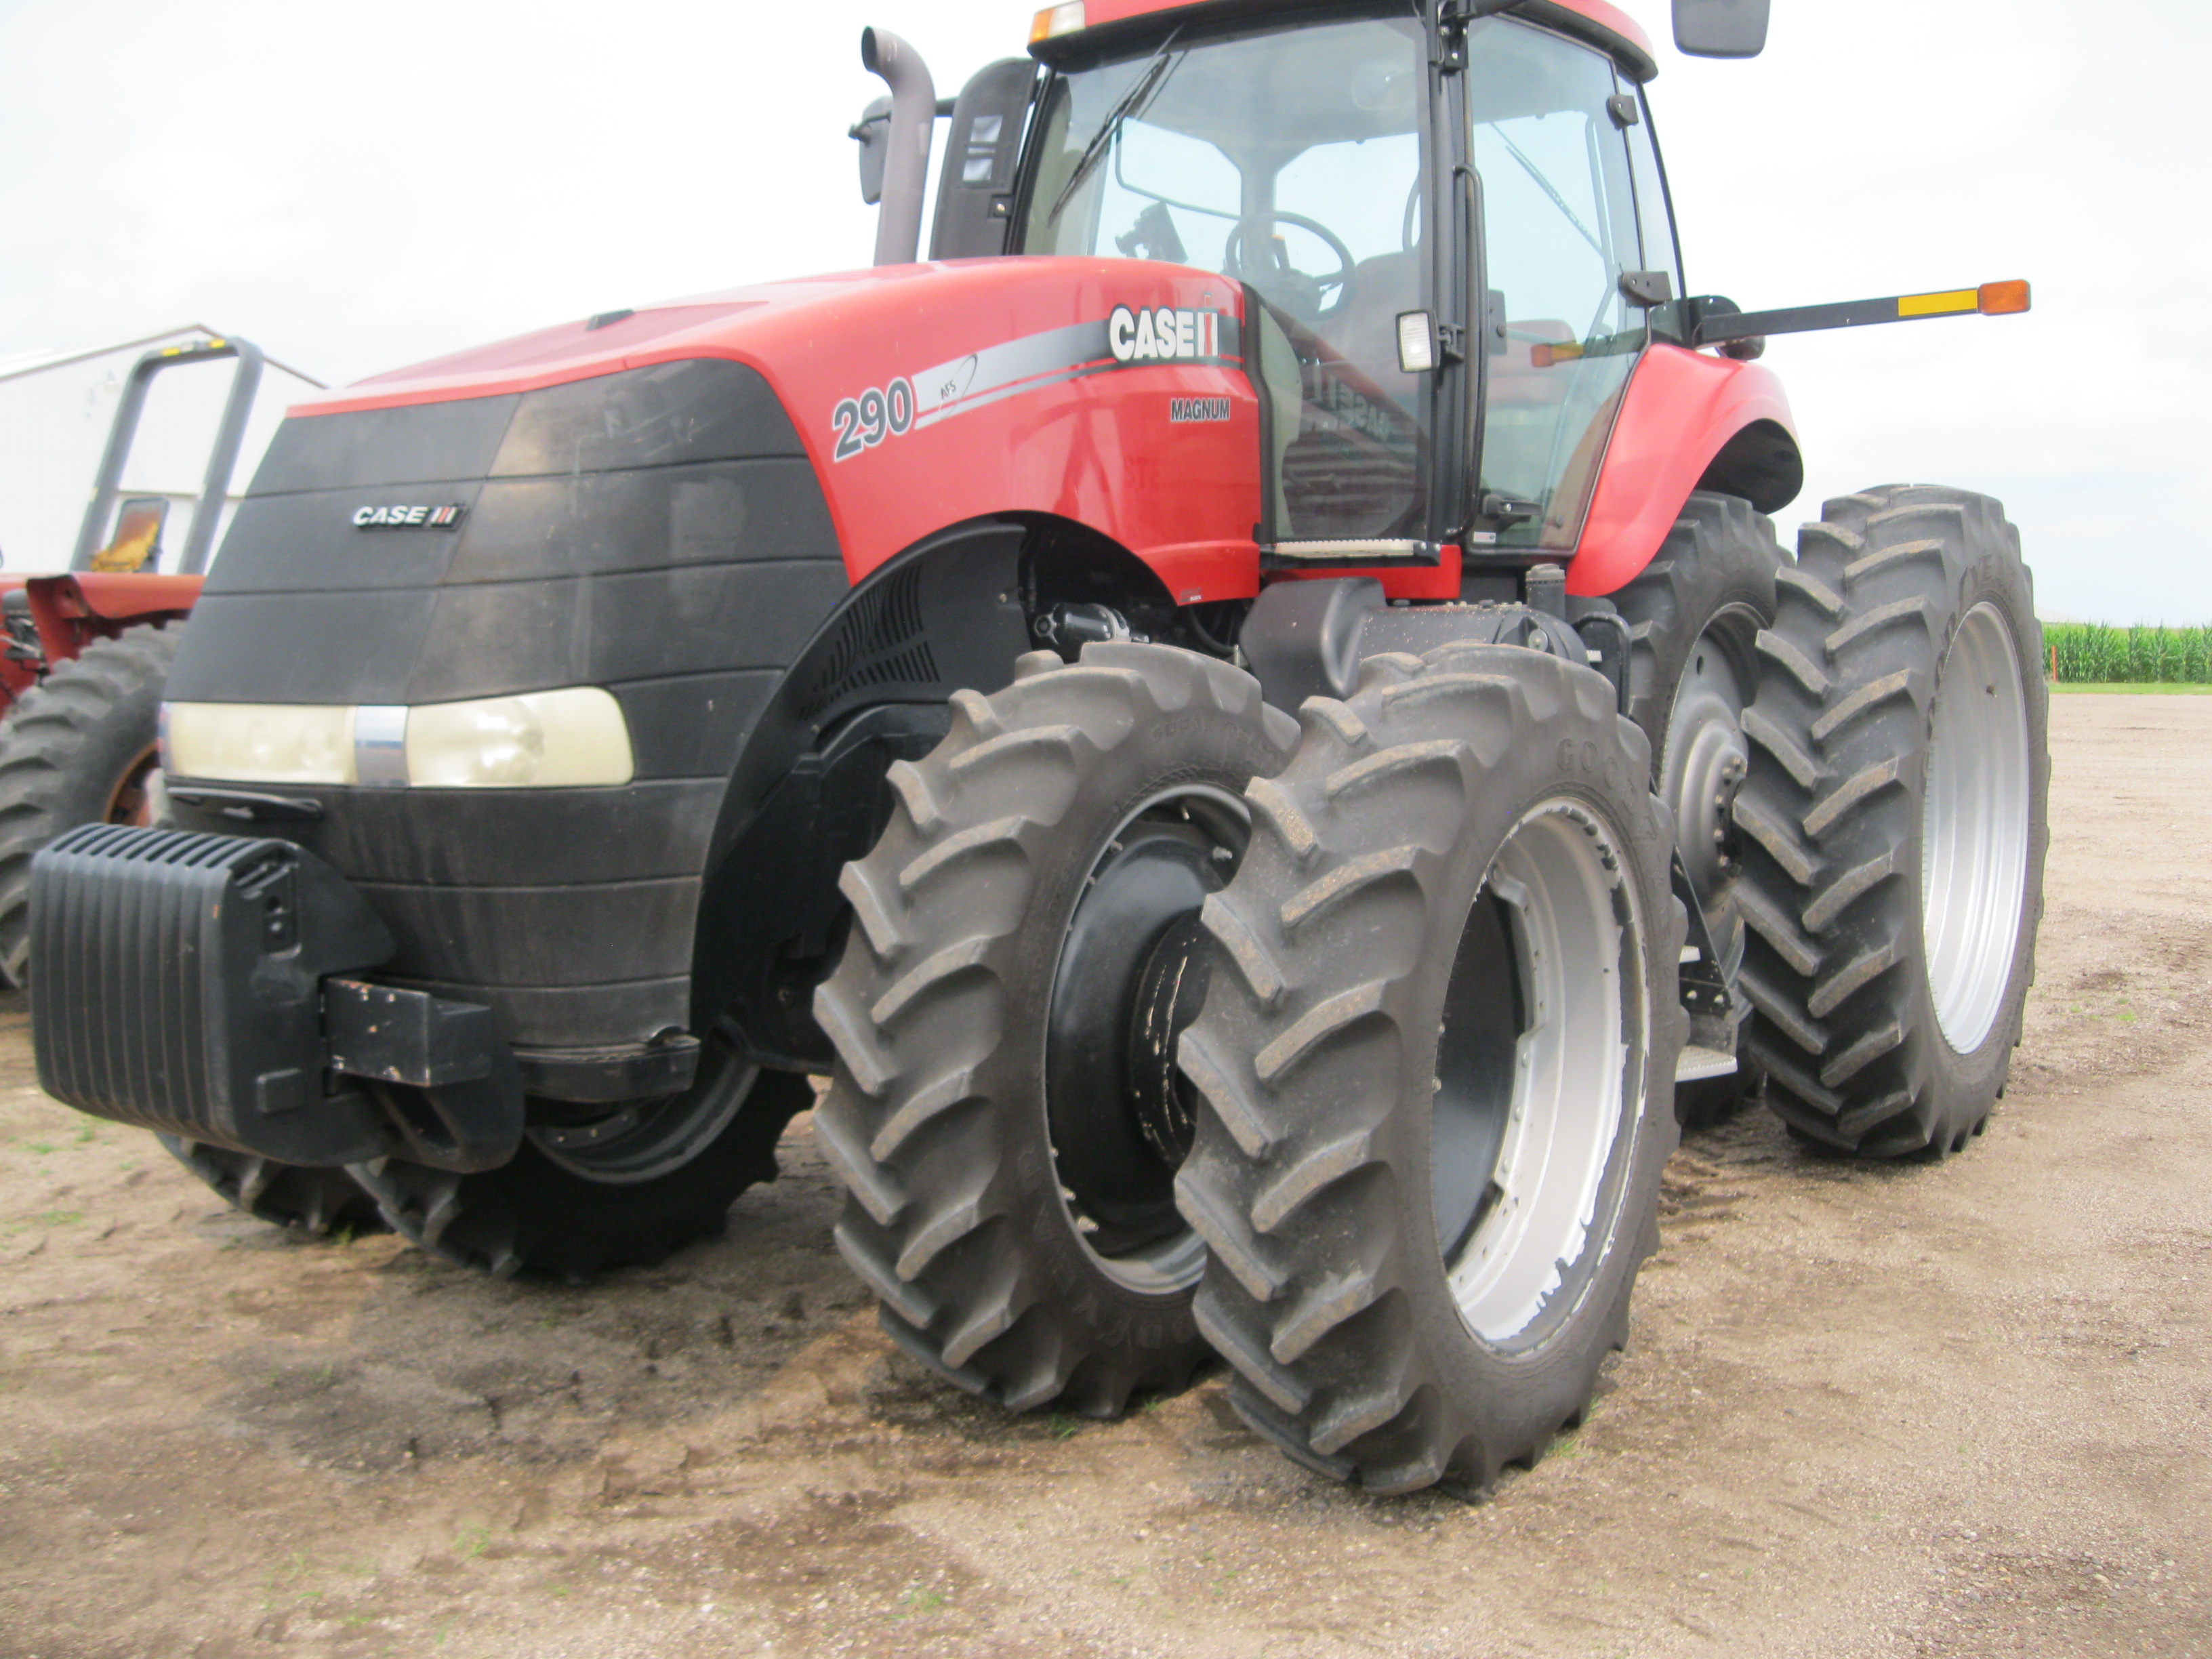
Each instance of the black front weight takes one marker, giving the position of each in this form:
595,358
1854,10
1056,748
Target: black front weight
179,984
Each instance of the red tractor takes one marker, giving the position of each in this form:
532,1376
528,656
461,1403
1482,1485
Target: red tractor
1246,713
87,651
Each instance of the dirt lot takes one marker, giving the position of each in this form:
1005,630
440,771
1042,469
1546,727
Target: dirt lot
1957,1408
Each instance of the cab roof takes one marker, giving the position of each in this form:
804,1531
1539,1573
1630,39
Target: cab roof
1108,22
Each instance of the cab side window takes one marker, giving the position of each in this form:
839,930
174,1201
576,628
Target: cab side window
1560,227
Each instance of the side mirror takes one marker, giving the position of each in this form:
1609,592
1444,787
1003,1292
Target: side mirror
873,132
1721,28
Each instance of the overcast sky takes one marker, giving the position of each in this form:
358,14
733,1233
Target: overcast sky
356,186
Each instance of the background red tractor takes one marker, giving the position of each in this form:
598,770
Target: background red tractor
87,651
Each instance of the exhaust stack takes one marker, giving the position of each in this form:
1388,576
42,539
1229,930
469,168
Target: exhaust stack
906,162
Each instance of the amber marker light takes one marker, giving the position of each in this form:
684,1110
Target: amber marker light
2001,299
1064,19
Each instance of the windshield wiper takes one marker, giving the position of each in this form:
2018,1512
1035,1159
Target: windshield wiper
1132,104
1552,192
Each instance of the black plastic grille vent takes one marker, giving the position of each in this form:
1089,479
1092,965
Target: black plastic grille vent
880,642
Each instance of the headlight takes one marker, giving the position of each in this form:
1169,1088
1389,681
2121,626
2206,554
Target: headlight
540,740
257,742
565,739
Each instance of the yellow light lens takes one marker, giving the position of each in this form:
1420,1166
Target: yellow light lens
258,741
2002,299
540,740
1064,19
1946,304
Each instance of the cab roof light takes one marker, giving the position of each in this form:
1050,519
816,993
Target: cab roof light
1063,19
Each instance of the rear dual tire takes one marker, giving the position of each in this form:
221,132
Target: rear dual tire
1694,615
1437,1066
1894,825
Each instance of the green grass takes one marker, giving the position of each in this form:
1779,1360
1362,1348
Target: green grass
2091,654
918,1600
2136,689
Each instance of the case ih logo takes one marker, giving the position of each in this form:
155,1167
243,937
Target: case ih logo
407,518
1165,335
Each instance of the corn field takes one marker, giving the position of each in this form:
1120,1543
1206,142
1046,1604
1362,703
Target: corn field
2090,653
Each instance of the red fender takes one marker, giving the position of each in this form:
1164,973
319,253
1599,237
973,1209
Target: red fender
1679,411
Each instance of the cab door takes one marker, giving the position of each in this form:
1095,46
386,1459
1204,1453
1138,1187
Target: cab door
1571,281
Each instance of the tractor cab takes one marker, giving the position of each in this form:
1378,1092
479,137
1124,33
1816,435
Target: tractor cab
1362,178
1452,231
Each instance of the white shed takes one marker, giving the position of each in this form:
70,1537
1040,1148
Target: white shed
56,408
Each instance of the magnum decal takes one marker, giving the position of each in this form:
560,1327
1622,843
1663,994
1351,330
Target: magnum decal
1127,339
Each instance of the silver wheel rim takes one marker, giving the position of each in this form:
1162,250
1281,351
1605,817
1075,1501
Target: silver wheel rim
1973,837
1574,941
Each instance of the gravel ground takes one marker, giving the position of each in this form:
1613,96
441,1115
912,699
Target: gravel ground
1956,1408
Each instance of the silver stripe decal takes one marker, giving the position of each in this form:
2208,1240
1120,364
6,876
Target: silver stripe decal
1036,360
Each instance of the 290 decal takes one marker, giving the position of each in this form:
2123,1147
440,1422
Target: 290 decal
864,422
1156,336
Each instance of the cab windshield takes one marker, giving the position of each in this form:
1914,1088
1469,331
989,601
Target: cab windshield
1290,161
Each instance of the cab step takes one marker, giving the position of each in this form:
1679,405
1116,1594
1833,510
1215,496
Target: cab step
1697,1064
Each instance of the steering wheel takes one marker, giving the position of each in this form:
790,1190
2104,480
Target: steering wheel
1305,297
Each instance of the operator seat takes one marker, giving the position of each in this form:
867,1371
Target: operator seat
1366,330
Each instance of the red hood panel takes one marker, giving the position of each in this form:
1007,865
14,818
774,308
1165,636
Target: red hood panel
571,351
929,395
569,346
